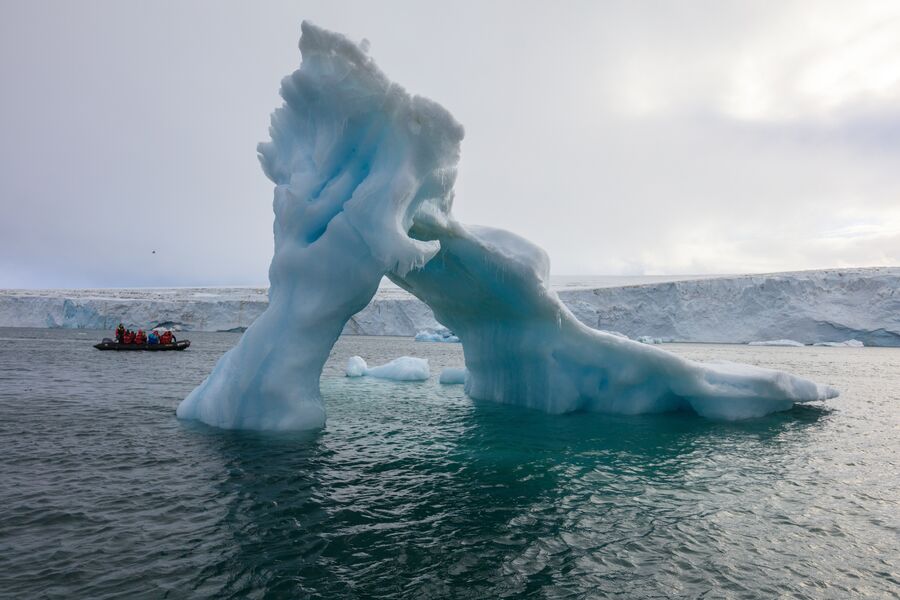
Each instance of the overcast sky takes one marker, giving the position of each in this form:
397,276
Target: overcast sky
623,137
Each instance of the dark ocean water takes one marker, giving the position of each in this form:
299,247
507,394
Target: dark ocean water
415,491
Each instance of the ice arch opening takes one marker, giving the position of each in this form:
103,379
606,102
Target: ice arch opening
364,176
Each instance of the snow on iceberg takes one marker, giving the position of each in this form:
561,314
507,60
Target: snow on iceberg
775,343
453,375
364,177
431,335
847,344
405,368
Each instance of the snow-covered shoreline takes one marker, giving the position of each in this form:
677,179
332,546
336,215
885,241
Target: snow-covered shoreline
807,306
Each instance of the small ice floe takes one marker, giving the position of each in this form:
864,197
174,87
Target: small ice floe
453,375
436,335
776,343
648,339
405,368
846,344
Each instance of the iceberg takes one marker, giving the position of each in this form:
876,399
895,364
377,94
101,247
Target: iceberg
431,335
356,366
453,375
776,343
364,175
405,368
615,333
845,344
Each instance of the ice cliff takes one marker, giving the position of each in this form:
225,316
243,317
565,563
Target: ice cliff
808,307
192,309
364,176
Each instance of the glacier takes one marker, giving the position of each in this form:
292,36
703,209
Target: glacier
364,175
782,342
808,307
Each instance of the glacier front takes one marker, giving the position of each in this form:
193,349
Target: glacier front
364,176
808,307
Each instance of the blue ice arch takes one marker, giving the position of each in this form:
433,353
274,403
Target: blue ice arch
364,176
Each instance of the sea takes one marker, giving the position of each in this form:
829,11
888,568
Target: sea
414,490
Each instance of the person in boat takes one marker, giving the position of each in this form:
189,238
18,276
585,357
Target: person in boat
167,338
153,338
120,334
140,338
128,337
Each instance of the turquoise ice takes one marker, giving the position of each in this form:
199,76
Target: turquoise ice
364,176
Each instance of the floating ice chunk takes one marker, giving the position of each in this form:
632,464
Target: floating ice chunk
432,335
847,344
405,368
646,339
356,367
776,343
453,375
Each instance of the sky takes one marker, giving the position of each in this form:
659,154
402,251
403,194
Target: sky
630,138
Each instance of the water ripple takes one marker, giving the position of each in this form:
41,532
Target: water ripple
414,491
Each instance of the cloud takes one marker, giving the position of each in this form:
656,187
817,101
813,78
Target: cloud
800,60
623,137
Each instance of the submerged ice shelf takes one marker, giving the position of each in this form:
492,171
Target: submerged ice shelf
364,176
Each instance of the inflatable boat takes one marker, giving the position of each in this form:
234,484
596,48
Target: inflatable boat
108,344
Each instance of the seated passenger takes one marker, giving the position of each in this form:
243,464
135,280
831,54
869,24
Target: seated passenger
153,338
166,337
128,337
140,338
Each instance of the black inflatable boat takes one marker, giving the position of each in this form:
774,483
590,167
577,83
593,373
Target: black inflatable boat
108,344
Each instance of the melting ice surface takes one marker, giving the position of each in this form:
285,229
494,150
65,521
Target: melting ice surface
364,176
